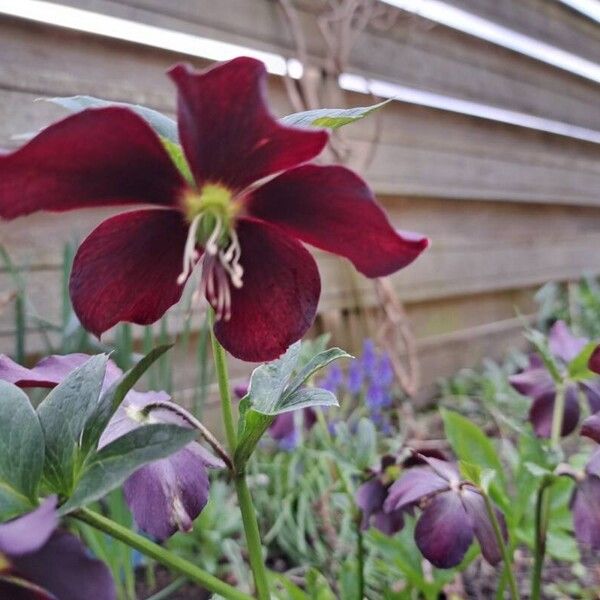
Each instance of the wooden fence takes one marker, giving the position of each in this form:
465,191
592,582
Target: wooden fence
507,207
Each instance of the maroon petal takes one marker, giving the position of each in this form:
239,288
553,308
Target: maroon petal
534,382
278,300
591,427
414,485
482,526
127,269
369,498
444,531
332,208
227,132
594,362
29,532
563,343
97,157
64,568
168,494
542,411
585,506
50,371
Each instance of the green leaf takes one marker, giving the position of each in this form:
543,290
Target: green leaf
578,367
112,398
109,467
63,415
163,125
318,587
472,445
177,155
274,389
331,118
21,452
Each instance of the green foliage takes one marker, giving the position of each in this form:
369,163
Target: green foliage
331,118
276,388
21,452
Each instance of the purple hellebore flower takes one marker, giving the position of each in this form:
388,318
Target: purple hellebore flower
164,496
536,382
585,502
371,495
453,513
40,562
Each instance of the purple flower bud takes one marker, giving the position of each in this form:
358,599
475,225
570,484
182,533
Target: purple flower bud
356,377
239,391
384,373
283,428
377,397
334,379
39,562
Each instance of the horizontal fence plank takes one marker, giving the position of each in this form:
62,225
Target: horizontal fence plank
408,51
549,21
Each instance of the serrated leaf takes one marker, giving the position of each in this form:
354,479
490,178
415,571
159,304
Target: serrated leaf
21,452
109,467
316,363
63,415
331,118
578,367
163,125
111,399
274,389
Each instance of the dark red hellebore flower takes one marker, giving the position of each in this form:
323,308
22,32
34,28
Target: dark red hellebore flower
243,229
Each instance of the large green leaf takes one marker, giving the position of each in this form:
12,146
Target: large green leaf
21,452
331,118
471,445
63,415
109,467
163,125
276,388
112,398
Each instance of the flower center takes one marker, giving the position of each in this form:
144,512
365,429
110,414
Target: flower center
211,213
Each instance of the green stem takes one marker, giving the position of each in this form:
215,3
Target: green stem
252,537
360,557
253,541
224,391
542,507
506,557
542,511
162,555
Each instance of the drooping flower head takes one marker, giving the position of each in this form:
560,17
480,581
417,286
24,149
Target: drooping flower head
585,502
453,513
40,562
536,382
164,496
239,208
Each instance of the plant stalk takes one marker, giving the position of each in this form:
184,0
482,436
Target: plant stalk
160,554
506,557
224,391
542,508
360,558
542,505
251,531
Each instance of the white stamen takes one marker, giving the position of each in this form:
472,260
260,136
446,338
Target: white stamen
190,254
211,245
